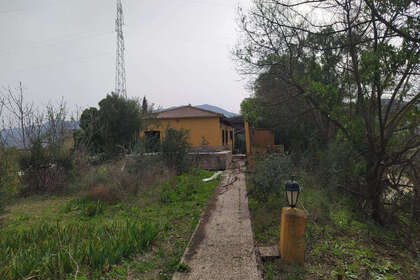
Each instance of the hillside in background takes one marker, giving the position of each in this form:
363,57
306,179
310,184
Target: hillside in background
217,110
11,141
207,107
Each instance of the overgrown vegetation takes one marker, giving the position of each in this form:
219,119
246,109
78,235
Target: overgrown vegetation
87,236
175,148
100,208
45,169
113,129
9,179
339,240
346,82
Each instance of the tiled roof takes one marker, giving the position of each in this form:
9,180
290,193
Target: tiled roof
186,112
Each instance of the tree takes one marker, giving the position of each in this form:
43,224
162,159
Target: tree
144,106
175,148
56,127
24,123
354,66
2,124
89,137
113,128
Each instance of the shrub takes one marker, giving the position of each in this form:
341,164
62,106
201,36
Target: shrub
147,170
45,169
103,194
270,176
9,179
175,148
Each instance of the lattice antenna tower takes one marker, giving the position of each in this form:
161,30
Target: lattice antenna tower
120,82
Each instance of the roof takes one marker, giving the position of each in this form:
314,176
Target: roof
187,112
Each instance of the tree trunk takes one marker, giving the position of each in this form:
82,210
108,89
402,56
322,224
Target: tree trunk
375,191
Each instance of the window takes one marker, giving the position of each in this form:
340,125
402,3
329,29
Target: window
152,141
231,135
223,136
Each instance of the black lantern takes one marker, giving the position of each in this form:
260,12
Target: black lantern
292,189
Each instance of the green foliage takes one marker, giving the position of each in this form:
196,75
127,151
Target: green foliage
9,179
182,267
271,175
321,84
253,112
58,251
86,206
340,166
183,188
89,136
175,148
339,240
113,128
109,242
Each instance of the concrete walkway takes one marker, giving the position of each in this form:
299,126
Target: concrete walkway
222,246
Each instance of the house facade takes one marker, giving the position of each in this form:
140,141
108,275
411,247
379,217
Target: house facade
207,129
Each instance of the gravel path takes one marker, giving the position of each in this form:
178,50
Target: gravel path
222,247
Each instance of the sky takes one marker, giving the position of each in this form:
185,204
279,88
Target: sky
178,52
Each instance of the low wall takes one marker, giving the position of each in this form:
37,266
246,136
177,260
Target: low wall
211,160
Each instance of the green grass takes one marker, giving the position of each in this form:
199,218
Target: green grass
143,238
338,239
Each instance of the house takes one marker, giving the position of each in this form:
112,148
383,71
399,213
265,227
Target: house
207,130
260,141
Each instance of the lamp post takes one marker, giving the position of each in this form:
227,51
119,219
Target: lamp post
292,189
293,222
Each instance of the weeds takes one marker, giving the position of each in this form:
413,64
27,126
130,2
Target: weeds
57,251
339,240
86,207
142,236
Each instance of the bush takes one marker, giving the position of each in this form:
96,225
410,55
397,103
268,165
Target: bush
103,194
121,180
147,170
270,176
9,179
175,149
339,166
45,169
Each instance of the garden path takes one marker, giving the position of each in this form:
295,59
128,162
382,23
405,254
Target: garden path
222,246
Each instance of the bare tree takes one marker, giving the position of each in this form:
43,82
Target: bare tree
23,121
2,126
56,128
26,123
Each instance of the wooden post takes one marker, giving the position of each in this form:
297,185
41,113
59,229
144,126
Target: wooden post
292,242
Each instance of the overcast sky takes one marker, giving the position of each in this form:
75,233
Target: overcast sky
177,51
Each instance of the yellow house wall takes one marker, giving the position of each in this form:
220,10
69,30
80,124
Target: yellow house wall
209,128
263,138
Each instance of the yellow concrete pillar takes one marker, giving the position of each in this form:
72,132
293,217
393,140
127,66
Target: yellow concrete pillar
247,138
292,242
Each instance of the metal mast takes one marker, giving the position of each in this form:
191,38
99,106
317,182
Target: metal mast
120,83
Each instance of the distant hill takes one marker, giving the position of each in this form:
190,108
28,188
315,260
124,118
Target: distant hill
206,107
10,141
217,110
